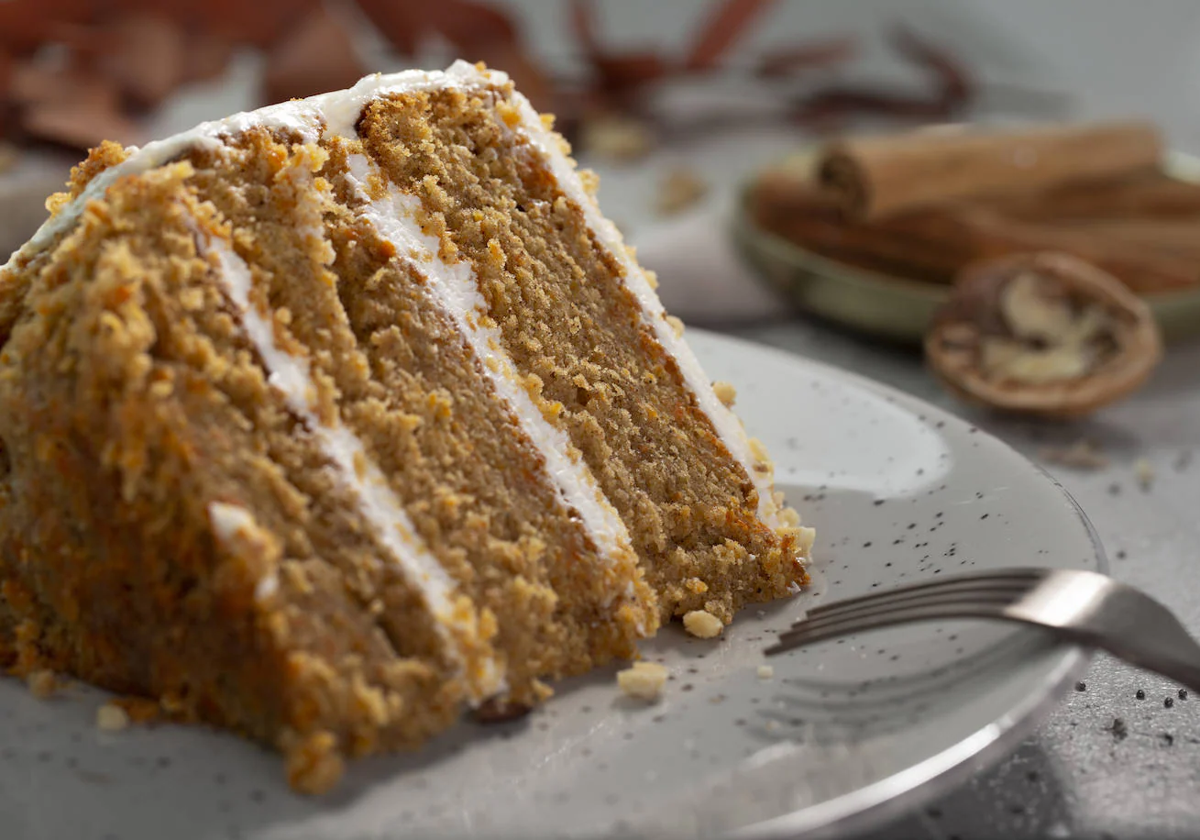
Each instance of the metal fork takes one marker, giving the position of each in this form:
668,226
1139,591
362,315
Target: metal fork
1083,607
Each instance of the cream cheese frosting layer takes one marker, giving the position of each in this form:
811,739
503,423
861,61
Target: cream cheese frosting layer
290,375
393,217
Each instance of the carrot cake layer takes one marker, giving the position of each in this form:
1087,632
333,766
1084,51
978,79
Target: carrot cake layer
328,421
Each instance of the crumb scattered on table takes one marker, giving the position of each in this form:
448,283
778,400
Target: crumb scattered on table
702,624
644,680
1144,472
765,672
1081,455
679,190
111,718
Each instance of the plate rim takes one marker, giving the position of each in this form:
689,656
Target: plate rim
871,806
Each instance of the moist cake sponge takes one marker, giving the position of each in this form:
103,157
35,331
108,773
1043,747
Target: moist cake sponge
329,421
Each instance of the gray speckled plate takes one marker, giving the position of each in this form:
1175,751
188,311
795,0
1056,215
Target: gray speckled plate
844,733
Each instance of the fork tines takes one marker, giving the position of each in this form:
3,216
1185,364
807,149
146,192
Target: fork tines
979,595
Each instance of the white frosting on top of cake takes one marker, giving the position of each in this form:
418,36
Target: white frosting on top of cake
454,287
290,375
339,110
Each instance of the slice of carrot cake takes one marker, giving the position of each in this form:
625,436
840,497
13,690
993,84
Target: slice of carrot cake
329,421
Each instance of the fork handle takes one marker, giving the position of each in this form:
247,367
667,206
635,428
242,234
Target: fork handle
1182,670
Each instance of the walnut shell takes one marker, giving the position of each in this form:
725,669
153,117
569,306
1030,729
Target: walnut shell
1045,334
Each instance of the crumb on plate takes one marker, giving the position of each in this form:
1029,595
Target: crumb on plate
702,624
645,680
1144,472
111,718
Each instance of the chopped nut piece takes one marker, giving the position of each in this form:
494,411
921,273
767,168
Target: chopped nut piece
702,624
765,672
620,139
1144,472
645,680
725,393
1081,455
679,190
42,684
1044,334
111,718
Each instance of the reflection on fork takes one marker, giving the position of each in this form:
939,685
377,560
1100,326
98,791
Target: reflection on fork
1082,607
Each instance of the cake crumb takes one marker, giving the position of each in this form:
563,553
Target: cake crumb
679,190
621,139
765,672
645,680
726,393
1144,472
42,683
313,765
1081,455
590,181
703,624
111,718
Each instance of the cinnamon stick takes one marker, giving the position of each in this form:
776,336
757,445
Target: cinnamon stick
934,243
874,177
1145,195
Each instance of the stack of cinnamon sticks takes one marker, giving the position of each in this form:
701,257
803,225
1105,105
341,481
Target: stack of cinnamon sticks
925,204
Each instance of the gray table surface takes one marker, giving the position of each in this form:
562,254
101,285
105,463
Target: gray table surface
1077,777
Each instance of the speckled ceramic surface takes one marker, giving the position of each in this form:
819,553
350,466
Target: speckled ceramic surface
842,734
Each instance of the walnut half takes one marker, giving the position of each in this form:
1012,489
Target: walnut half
1045,334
